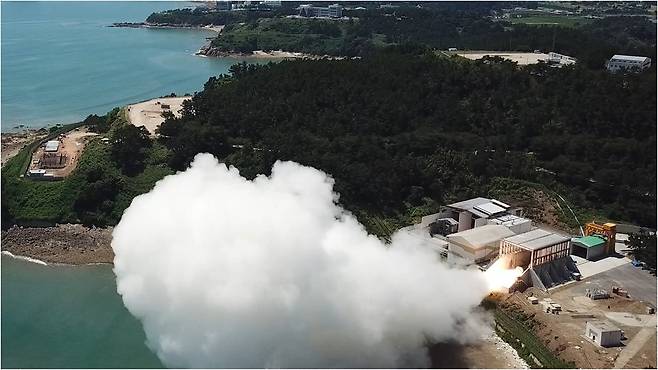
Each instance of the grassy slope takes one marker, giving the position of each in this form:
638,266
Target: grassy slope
53,201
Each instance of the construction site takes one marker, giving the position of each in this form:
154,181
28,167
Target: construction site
56,158
582,296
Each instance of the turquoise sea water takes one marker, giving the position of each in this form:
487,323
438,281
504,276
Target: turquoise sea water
67,317
60,61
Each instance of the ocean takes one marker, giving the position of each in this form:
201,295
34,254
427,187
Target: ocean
67,317
60,61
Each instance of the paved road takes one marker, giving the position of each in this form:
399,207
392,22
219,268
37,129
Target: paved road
640,283
632,348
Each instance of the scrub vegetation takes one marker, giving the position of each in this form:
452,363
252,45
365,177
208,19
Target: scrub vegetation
100,188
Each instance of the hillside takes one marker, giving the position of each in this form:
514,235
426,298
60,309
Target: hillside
400,131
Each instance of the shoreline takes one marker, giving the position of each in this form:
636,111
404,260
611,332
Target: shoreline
208,50
218,29
66,244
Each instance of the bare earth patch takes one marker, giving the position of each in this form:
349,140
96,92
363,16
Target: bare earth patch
62,162
149,113
13,142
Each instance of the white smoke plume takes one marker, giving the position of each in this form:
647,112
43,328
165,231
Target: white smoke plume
227,272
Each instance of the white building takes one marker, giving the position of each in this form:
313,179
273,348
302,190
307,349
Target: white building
479,244
515,223
475,212
331,11
52,146
603,333
628,63
560,59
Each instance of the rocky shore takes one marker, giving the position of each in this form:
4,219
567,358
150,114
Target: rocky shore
210,51
66,244
211,27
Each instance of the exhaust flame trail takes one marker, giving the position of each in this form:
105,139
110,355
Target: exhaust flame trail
227,272
500,278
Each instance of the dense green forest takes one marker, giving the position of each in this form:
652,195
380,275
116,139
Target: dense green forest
403,129
433,25
396,130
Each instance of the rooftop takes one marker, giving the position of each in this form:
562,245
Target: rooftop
481,207
590,241
537,239
481,236
603,325
509,220
629,57
52,145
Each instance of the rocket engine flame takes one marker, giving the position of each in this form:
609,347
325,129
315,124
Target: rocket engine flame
500,278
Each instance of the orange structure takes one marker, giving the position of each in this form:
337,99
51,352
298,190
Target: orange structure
607,230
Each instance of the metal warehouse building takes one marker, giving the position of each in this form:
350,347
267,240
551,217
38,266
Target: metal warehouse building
589,247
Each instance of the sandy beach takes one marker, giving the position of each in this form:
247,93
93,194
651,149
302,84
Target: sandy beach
149,113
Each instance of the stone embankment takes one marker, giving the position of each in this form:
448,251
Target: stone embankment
66,244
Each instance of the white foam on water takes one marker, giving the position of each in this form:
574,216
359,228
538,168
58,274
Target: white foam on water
28,259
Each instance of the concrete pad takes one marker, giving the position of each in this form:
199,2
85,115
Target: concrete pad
640,284
629,319
591,268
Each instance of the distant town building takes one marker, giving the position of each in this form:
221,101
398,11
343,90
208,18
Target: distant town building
555,58
603,333
628,63
223,6
388,6
331,11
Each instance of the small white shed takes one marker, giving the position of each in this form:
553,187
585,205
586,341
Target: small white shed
603,333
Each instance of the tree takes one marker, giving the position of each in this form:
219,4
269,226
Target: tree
643,245
95,202
98,124
129,148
